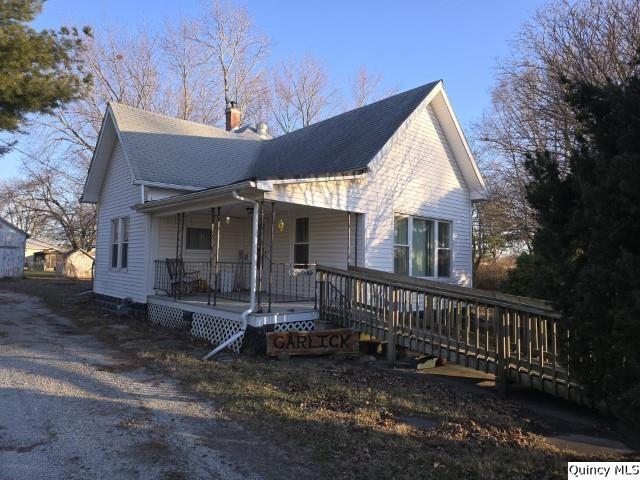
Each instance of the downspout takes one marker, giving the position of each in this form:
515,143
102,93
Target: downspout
254,277
254,256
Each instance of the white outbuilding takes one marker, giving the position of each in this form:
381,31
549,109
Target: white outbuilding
12,245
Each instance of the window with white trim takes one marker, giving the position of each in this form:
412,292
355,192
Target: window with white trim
120,243
401,245
444,249
124,247
415,251
115,241
301,243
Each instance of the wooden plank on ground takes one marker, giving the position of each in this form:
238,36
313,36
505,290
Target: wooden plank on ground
322,342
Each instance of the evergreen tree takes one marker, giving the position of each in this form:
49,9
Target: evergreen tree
39,71
587,248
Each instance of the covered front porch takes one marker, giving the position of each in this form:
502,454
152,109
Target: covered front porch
245,258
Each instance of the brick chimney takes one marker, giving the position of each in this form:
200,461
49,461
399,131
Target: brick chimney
233,116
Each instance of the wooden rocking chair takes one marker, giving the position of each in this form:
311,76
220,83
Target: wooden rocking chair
180,281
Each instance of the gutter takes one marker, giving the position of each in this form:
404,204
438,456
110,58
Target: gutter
204,194
254,276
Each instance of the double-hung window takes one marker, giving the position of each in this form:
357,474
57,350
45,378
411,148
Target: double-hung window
124,262
422,247
444,249
301,243
401,245
115,242
120,243
416,252
198,239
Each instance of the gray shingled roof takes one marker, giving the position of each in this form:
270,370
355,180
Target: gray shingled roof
166,150
344,143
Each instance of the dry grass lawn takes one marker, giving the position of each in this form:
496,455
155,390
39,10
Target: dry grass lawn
348,419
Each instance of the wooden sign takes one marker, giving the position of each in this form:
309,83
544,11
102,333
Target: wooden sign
322,342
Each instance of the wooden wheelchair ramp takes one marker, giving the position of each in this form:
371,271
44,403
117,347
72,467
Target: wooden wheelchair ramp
520,340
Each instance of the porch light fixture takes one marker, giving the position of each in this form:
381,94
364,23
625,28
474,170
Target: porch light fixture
227,220
280,225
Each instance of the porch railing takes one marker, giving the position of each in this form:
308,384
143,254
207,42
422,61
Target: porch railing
187,278
277,283
521,340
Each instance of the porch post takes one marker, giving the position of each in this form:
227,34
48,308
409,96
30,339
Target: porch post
178,283
215,280
174,290
254,252
355,253
261,259
273,221
211,253
180,263
348,239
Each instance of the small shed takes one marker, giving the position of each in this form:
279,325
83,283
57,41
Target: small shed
12,245
78,264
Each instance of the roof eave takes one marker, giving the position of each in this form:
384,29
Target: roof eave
200,199
339,175
13,227
478,186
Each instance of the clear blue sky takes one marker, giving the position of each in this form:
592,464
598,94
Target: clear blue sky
409,42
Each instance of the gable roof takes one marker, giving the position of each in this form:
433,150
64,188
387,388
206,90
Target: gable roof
43,243
89,253
340,144
13,227
164,151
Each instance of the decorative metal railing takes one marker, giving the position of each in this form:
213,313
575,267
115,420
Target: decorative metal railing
277,282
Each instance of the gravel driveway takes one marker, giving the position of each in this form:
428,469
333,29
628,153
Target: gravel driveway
71,407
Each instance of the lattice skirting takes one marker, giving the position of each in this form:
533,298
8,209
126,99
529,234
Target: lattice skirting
216,329
166,316
299,326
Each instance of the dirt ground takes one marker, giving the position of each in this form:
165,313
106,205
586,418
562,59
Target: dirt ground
72,407
86,395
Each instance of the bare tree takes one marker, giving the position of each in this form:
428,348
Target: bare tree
364,87
193,85
17,207
125,69
236,48
177,74
44,203
590,40
301,94
285,114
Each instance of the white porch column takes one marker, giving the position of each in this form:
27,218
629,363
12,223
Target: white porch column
152,233
254,253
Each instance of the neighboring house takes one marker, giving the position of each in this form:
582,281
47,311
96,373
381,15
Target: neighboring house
78,264
12,244
43,255
388,186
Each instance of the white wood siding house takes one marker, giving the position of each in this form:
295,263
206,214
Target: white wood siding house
243,217
12,245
